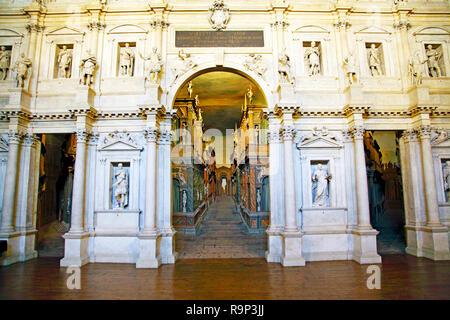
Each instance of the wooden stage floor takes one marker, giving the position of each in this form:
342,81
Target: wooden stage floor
402,277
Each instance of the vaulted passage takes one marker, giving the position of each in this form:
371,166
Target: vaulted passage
222,235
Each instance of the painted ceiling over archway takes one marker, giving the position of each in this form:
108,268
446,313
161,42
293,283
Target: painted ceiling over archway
221,95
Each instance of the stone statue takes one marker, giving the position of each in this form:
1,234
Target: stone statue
254,63
284,67
189,89
446,174
121,185
22,66
322,178
126,61
312,57
4,62
183,64
197,100
184,200
350,69
249,95
258,200
415,69
374,61
87,67
433,57
64,62
154,65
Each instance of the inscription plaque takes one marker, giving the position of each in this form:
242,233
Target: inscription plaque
208,39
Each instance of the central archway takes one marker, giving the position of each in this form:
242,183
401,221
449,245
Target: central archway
219,121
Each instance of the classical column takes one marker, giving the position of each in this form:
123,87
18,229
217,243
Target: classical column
9,193
429,179
362,190
151,135
79,181
290,211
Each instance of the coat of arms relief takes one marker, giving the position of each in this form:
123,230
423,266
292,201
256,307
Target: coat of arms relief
219,15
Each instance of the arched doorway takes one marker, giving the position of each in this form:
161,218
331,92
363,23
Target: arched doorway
219,127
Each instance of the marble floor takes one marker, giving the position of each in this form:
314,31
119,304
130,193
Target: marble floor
221,235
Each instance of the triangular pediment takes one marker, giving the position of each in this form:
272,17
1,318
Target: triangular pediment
319,143
441,143
66,31
119,146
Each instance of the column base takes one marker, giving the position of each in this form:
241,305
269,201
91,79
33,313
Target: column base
20,247
428,242
76,250
167,247
292,250
365,246
149,251
274,245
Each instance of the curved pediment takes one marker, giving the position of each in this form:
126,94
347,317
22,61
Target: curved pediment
432,31
127,28
374,30
311,29
4,32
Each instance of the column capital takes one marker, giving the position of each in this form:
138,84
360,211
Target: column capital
159,23
274,136
165,136
409,135
357,132
82,135
15,136
423,132
34,27
288,133
96,25
29,139
151,135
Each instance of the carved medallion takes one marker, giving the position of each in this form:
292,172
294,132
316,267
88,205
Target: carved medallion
219,15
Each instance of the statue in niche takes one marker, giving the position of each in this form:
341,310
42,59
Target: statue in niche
433,57
121,187
189,89
4,62
183,64
249,95
258,200
374,61
415,69
255,63
350,69
64,62
154,65
322,178
184,200
126,61
87,67
22,66
446,175
284,67
312,56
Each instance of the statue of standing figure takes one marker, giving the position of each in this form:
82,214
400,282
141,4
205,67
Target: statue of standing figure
322,178
350,68
183,64
22,66
312,56
64,62
154,65
284,67
446,175
189,89
374,61
4,62
121,185
184,199
126,61
433,57
249,95
87,67
415,69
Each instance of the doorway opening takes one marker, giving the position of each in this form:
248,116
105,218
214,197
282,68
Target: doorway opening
220,167
387,214
55,192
